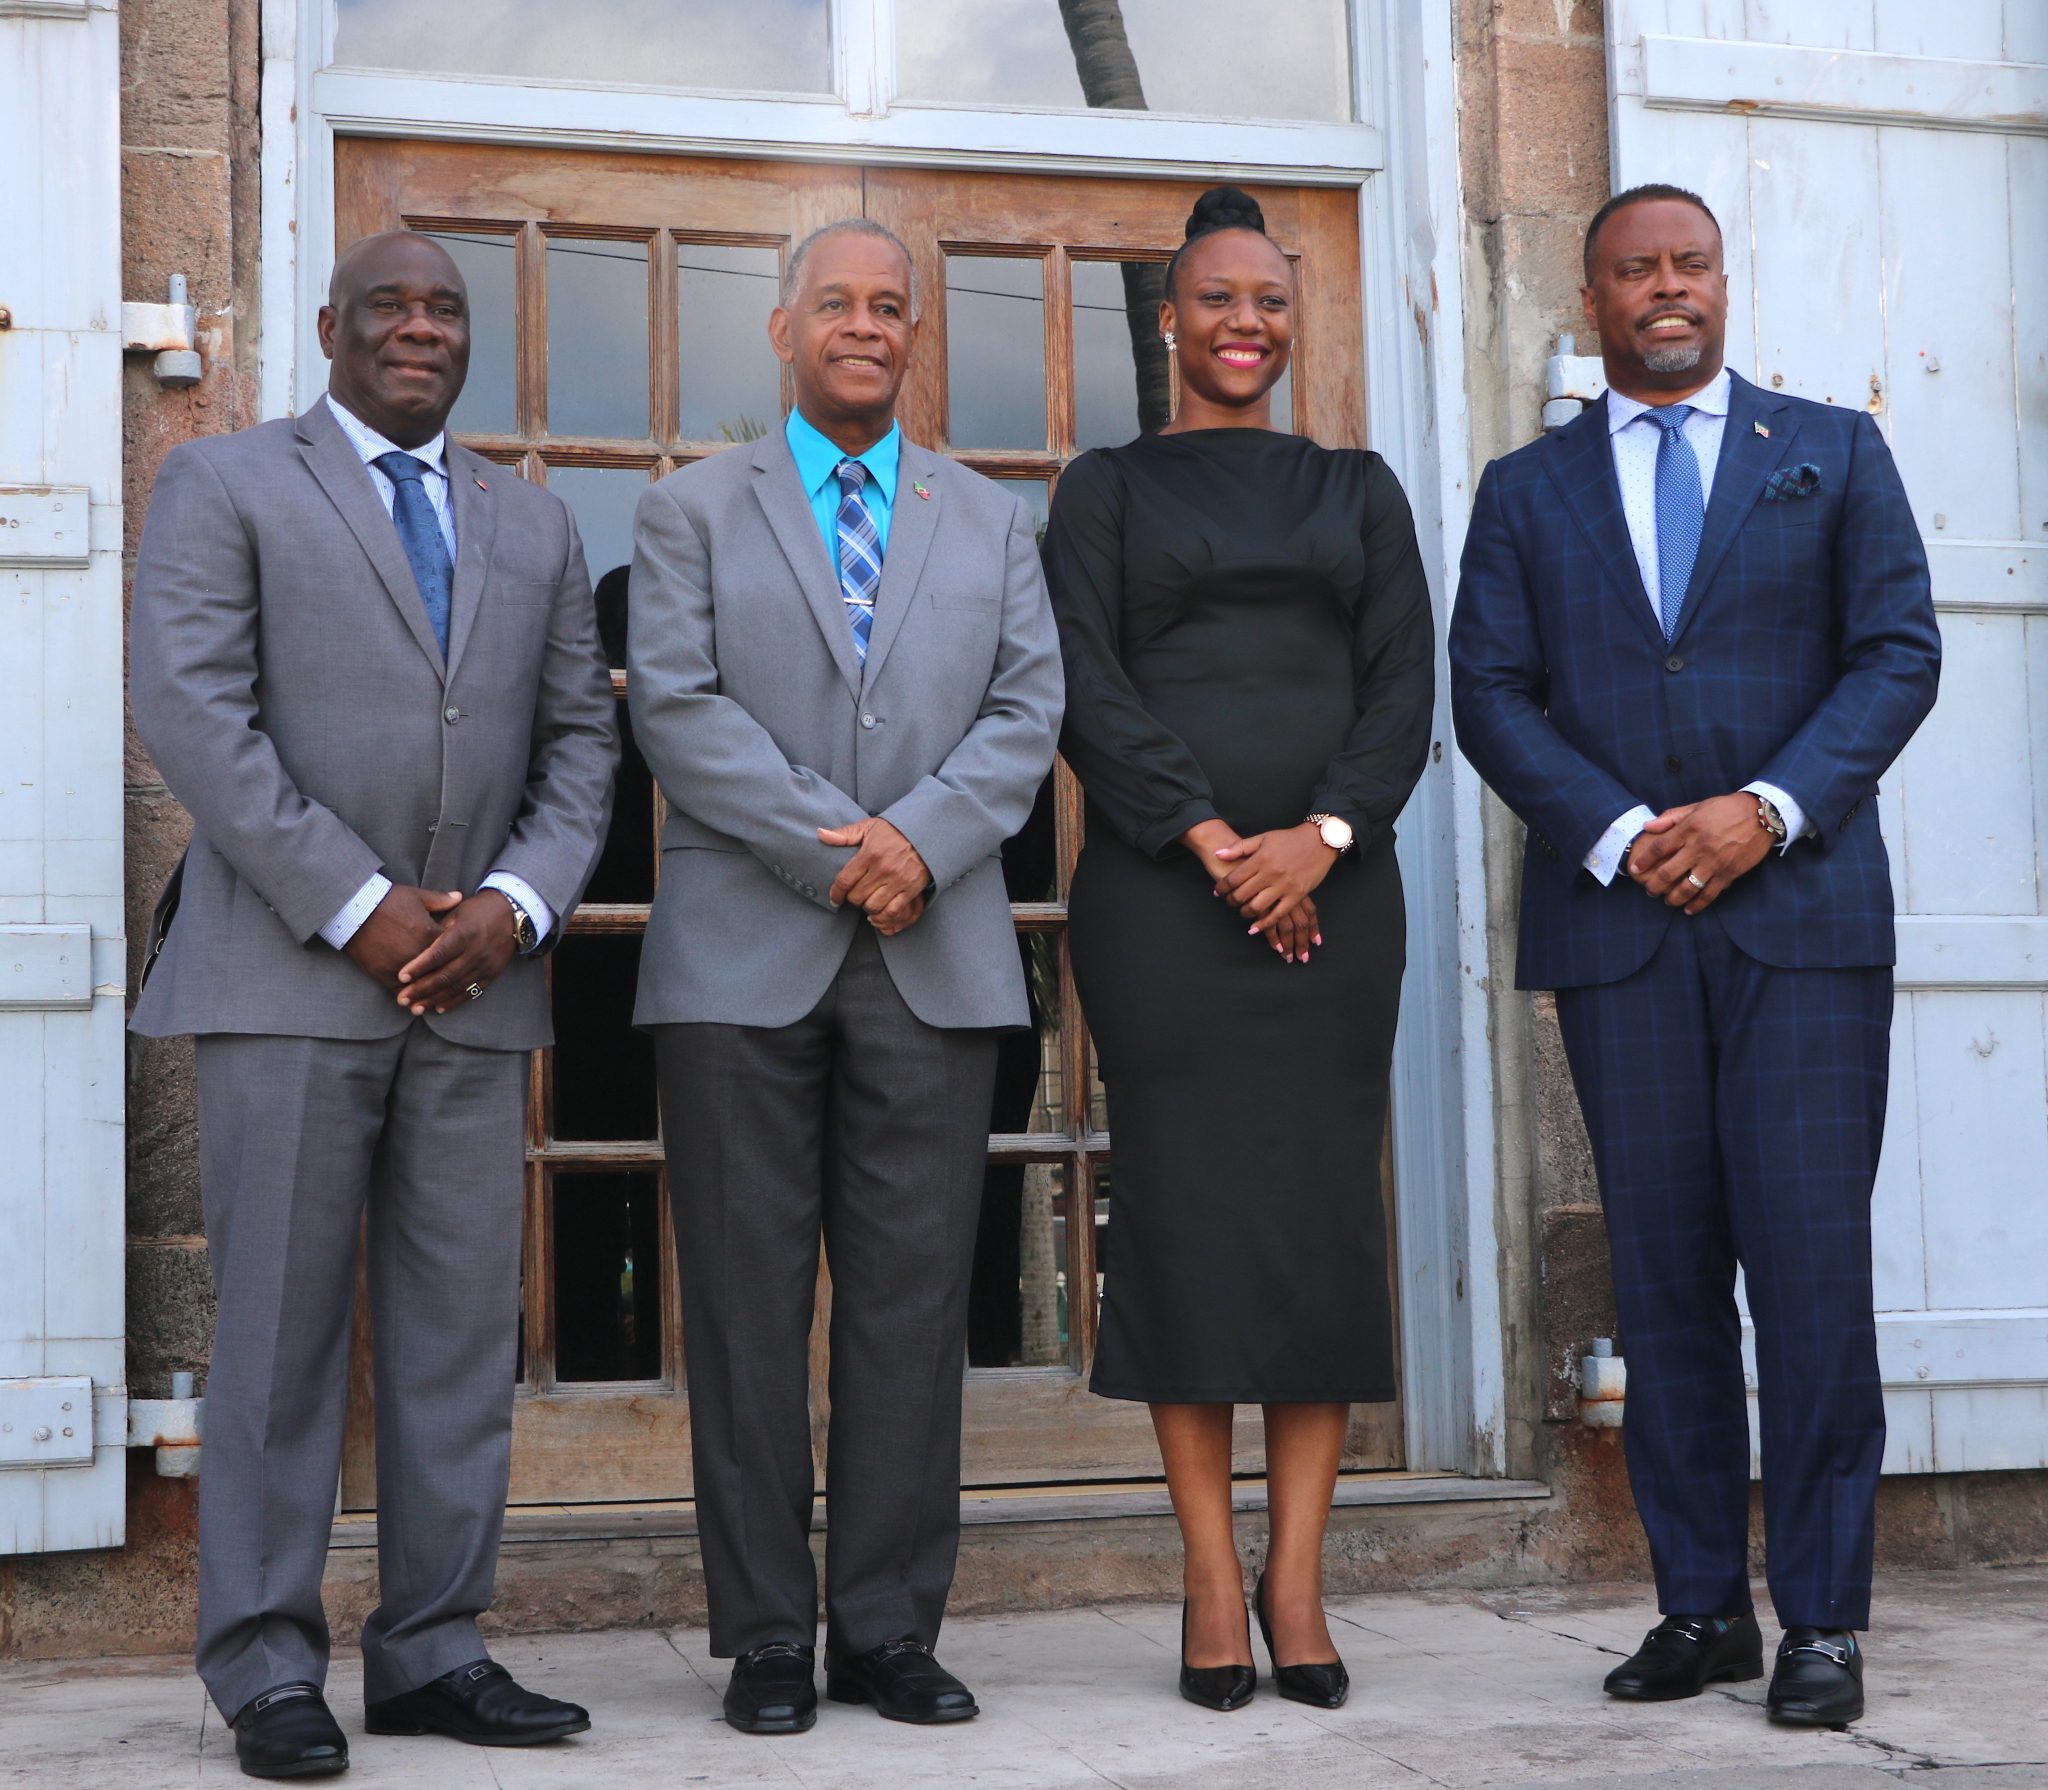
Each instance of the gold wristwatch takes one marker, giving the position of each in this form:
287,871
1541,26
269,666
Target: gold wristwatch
1334,833
524,934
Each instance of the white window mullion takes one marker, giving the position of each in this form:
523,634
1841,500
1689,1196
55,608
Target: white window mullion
864,55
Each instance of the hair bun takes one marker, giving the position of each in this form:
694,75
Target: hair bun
1225,208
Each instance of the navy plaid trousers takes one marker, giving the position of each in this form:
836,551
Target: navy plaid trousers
1735,1111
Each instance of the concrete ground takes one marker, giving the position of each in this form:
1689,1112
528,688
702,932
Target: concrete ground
1450,1689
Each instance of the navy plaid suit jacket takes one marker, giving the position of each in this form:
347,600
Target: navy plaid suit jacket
1805,655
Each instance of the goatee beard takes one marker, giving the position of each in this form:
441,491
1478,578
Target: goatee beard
1672,360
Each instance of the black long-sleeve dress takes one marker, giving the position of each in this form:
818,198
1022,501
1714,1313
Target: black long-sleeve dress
1247,634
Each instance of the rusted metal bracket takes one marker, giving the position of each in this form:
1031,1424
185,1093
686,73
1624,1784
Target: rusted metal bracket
168,331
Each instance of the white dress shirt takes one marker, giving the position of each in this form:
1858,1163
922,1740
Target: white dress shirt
1635,441
433,455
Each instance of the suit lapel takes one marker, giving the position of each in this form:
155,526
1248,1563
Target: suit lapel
788,508
1739,477
476,524
332,459
1581,463
912,521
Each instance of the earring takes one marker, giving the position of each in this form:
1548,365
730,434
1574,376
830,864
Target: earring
1166,336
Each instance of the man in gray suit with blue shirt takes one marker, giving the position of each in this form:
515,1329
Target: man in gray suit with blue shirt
843,670
367,662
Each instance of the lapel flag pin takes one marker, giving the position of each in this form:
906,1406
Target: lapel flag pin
1761,430
480,485
923,491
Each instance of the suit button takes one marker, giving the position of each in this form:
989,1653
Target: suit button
451,716
868,721
1675,663
1672,762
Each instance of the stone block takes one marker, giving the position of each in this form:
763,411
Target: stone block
177,217
1915,1522
176,75
1578,1300
140,1598
1564,1154
170,1314
1550,134
2002,1518
1553,21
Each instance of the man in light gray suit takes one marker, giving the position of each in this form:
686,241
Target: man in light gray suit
366,661
843,670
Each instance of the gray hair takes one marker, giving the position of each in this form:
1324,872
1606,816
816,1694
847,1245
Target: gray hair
793,273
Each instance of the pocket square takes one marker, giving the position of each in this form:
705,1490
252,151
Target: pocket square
1790,482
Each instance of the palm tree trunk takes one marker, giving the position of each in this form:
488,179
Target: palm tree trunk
1110,80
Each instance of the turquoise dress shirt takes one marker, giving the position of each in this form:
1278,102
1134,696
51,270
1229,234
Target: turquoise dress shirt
817,464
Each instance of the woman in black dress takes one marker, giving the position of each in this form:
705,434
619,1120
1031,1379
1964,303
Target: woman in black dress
1249,659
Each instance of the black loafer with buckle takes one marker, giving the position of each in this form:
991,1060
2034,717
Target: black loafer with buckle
481,1703
289,1732
772,1689
1818,1682
1682,1655
902,1680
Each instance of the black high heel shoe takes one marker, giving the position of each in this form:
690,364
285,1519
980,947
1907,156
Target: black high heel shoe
1323,1686
1214,1687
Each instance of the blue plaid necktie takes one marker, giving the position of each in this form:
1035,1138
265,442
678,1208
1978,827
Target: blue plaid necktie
1681,512
860,555
419,531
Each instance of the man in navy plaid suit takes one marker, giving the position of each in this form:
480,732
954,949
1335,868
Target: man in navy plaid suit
1692,630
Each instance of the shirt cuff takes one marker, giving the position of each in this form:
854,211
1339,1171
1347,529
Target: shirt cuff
362,904
1792,814
521,891
1605,857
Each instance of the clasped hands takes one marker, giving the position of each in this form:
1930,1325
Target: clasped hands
1269,878
1716,841
430,947
885,878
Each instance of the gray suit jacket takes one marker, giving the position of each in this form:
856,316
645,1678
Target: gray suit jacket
287,683
762,727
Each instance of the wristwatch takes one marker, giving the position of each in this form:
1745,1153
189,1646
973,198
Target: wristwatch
524,937
1768,817
1334,833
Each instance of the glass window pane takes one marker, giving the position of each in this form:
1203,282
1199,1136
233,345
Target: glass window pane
489,404
995,352
597,338
1122,385
1017,1299
765,46
625,872
608,1271
731,382
602,499
1289,59
604,1069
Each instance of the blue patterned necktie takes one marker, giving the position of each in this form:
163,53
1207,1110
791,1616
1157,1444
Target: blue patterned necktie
419,531
860,555
1681,512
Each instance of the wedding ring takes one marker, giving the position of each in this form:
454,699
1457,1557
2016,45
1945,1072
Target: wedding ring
1692,876
475,991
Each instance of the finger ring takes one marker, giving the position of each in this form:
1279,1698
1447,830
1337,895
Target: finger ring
1692,876
475,991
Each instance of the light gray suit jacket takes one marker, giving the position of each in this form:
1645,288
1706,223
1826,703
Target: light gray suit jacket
286,680
762,727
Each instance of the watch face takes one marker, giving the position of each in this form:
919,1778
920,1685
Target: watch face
1336,834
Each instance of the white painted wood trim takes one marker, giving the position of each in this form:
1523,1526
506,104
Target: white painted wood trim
1995,951
1853,86
1933,1350
2002,576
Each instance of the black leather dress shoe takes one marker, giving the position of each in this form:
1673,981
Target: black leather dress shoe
289,1732
1221,1688
771,1690
902,1680
1818,1682
481,1703
1323,1684
1682,1655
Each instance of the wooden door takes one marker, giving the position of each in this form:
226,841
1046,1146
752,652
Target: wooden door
1915,293
619,313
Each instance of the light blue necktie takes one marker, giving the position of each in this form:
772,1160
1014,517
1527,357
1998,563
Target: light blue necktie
1681,512
419,532
860,555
